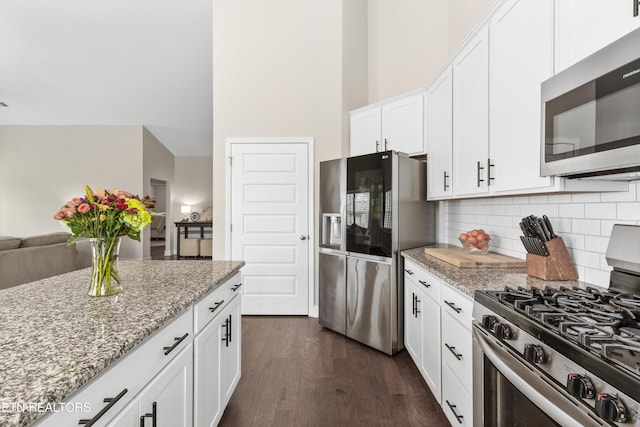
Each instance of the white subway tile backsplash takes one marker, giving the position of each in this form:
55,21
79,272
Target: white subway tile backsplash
607,226
585,226
629,211
596,277
585,198
560,198
583,220
572,210
620,196
588,259
596,243
600,210
538,200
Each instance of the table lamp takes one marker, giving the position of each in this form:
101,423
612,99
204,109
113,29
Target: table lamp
185,210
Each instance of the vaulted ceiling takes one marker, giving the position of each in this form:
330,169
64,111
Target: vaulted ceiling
110,62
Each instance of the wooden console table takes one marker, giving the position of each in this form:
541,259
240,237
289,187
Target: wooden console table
186,225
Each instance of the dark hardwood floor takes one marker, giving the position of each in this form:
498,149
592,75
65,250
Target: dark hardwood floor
296,373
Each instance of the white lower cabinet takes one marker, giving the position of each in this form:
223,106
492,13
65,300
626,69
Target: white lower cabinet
457,403
217,365
438,339
167,401
422,331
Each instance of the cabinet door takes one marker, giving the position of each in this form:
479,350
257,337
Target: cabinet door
365,131
431,367
230,353
412,322
169,397
403,125
208,344
585,26
128,417
471,115
438,128
521,32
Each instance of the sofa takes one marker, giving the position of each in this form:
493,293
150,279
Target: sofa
33,258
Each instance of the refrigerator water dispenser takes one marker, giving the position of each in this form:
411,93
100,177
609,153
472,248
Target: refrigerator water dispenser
331,229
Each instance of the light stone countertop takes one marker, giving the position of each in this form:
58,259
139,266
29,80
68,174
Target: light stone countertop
54,338
469,280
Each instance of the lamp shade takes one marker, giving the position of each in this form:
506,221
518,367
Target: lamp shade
185,209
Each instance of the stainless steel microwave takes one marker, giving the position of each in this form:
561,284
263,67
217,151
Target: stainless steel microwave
591,115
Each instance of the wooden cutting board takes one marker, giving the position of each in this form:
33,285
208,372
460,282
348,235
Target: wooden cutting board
457,257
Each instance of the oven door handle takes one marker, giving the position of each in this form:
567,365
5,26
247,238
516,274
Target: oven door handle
537,390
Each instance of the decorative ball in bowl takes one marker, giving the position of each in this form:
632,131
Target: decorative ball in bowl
475,242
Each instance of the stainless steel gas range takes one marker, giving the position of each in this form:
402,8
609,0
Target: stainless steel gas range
563,356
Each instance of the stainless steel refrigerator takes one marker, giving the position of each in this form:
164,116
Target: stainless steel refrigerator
371,208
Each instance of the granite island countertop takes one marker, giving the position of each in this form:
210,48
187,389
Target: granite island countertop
54,339
469,280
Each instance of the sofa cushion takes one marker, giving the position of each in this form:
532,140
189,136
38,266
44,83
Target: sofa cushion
44,239
8,242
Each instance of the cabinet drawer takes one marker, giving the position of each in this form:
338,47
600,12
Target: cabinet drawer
457,402
457,304
214,302
127,377
457,349
424,280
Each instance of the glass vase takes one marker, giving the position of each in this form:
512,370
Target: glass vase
105,278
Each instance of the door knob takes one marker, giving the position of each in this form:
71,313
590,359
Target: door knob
303,237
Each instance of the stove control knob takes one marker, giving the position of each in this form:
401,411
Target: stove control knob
611,408
503,331
534,353
489,321
580,386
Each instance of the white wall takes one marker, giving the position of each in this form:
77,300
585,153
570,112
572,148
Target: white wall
584,222
193,186
355,64
463,16
42,167
158,163
277,73
407,44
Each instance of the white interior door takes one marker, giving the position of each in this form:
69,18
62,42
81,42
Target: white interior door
270,225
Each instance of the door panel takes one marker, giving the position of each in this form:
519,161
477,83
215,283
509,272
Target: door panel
270,225
332,290
369,303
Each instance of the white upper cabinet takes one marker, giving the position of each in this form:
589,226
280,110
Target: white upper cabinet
438,129
471,115
585,26
520,58
365,131
396,124
403,124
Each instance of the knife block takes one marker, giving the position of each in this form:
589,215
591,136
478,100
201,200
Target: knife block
556,266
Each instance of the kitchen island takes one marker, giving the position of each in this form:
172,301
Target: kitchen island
54,339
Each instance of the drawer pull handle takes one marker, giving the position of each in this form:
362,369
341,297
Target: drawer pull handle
178,340
424,283
455,414
409,272
111,401
153,415
236,287
453,351
216,306
453,306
